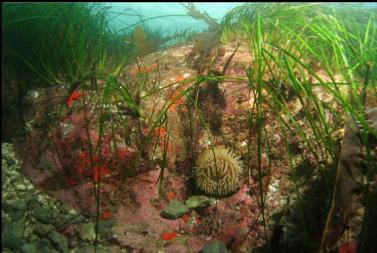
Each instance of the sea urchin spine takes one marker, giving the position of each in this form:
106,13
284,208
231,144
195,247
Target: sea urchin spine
220,177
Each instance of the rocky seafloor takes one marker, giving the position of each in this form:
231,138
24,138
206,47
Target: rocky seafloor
47,215
35,222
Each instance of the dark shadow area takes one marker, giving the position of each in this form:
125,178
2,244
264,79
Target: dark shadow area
298,228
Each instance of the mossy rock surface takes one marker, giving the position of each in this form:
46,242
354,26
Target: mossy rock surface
198,201
87,232
12,235
43,215
175,209
58,241
215,247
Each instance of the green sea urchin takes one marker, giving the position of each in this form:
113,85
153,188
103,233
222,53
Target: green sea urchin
221,177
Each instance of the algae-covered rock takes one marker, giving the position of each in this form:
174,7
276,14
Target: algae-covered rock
43,229
12,235
43,215
10,166
90,248
44,246
87,232
104,228
215,247
16,208
41,246
58,241
30,248
198,201
174,210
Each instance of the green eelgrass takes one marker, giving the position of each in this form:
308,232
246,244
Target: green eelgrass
282,47
113,88
284,40
164,161
63,43
289,43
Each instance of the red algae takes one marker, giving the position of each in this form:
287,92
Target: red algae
168,236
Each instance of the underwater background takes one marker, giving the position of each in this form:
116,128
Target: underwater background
189,127
173,23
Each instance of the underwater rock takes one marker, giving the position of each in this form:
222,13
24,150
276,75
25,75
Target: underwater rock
9,166
174,210
29,248
87,232
12,235
215,247
175,248
30,215
198,201
196,243
70,219
20,187
178,183
104,228
34,203
87,248
139,243
106,224
42,246
29,229
43,215
16,208
347,200
58,241
8,155
43,229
